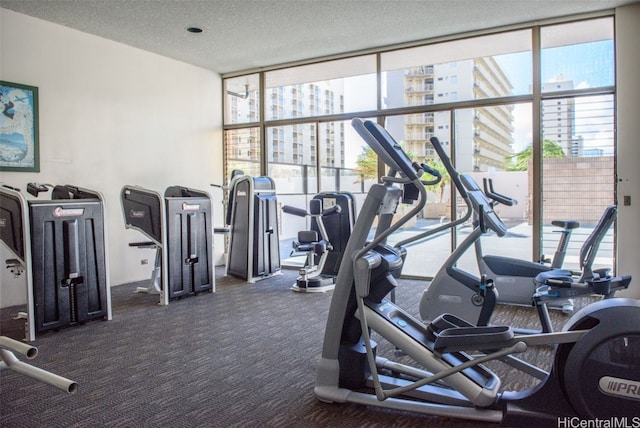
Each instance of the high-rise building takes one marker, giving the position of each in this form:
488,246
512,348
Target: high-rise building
295,144
484,135
558,118
303,144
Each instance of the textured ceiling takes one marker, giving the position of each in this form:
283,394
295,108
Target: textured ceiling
247,34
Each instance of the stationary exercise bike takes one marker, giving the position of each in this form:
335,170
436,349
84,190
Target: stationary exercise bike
596,369
458,292
515,278
566,226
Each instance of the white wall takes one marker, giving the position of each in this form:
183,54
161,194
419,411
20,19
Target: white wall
628,137
112,115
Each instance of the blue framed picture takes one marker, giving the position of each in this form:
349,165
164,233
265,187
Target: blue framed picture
19,148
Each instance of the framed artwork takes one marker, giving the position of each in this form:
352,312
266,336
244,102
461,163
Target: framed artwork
19,148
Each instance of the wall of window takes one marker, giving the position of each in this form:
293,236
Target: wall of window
242,151
531,108
491,66
578,162
321,89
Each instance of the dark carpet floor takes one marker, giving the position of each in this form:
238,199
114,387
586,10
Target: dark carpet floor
245,356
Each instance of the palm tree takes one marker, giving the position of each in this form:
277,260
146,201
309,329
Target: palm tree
367,164
520,161
446,179
367,168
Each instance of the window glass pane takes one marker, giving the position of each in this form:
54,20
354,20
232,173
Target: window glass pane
425,257
332,87
486,140
242,99
577,55
290,225
242,151
347,163
291,163
291,158
477,68
578,172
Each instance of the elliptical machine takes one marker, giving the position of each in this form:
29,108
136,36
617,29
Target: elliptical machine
595,374
458,292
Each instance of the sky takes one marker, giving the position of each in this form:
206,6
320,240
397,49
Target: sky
587,66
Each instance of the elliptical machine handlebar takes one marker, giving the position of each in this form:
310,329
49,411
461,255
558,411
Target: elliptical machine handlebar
487,219
437,177
487,183
387,149
455,178
446,161
392,154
